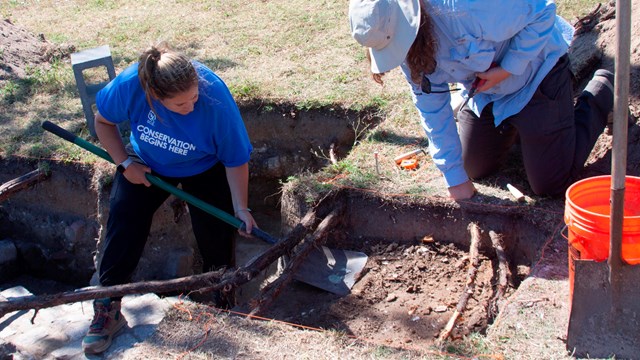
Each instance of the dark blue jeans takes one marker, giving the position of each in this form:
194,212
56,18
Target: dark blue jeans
555,136
131,212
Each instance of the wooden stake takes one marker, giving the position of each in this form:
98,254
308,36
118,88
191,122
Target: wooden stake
517,194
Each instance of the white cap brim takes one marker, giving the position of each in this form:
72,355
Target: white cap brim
407,25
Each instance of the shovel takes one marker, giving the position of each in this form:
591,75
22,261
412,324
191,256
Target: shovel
179,193
332,270
328,269
605,311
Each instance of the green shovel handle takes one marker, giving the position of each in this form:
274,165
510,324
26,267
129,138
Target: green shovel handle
179,193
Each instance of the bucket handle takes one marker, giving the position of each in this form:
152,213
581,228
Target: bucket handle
562,232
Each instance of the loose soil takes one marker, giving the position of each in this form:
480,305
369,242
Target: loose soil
406,295
23,51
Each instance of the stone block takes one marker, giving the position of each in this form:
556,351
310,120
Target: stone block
8,260
179,263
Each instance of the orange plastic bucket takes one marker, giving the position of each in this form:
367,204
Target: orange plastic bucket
587,215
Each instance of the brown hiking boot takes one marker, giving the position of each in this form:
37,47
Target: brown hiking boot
107,321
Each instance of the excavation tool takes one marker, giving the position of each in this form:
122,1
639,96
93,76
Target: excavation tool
474,88
605,311
409,160
333,270
179,193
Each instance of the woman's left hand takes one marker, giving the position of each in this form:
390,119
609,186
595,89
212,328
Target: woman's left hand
249,222
492,77
466,190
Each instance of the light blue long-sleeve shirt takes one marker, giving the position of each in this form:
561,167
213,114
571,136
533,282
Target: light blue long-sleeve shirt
525,37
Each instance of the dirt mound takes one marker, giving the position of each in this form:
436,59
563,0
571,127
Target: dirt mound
21,50
599,28
607,41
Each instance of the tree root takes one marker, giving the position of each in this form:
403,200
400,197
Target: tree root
214,280
13,186
311,241
469,288
503,274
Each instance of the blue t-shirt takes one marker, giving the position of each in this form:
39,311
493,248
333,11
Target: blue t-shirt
178,145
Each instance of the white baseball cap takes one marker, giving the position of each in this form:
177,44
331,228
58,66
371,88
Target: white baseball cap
387,28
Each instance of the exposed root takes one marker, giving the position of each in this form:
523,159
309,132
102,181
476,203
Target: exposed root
311,241
469,288
11,187
503,274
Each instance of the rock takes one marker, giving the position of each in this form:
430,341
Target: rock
8,252
441,308
34,255
179,263
9,266
57,331
73,234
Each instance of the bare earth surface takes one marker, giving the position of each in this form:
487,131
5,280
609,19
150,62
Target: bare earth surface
405,297
22,51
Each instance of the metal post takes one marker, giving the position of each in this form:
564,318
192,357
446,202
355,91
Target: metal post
619,155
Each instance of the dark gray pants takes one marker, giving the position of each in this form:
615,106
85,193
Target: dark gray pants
556,137
131,212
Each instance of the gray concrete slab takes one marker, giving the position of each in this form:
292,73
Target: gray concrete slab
57,332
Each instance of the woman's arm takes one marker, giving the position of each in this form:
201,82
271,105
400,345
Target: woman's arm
109,137
238,178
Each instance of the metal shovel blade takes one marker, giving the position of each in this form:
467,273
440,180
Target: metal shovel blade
597,328
332,270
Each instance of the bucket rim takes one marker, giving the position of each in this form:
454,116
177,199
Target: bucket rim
592,178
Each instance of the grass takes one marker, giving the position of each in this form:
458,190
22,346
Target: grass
277,51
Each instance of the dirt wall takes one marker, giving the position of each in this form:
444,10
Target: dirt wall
56,225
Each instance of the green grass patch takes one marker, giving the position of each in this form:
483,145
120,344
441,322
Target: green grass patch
296,52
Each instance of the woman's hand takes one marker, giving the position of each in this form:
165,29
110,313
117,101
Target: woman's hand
492,77
136,174
247,218
466,190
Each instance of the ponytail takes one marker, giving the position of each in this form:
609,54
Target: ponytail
164,73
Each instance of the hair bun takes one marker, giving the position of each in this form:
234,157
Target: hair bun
155,54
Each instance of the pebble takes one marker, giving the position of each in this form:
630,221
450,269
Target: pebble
391,297
440,308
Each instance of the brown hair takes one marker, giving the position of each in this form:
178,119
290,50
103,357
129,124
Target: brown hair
421,56
164,73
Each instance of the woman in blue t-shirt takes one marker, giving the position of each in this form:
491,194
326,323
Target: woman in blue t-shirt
186,129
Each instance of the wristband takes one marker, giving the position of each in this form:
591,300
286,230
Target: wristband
124,165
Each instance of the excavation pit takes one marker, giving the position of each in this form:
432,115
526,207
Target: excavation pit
418,254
